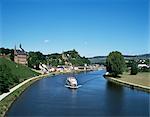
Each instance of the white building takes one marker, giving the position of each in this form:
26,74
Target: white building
143,65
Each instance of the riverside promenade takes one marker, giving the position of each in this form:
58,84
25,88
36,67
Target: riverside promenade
2,96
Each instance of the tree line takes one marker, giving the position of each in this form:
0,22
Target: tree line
115,62
66,58
71,57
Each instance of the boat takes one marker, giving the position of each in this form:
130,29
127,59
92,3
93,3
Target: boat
71,82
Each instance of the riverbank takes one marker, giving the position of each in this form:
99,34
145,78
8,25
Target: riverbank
49,97
141,81
7,99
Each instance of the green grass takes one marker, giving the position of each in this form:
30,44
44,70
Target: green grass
142,78
20,71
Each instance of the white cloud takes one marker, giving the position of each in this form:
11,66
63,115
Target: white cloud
46,41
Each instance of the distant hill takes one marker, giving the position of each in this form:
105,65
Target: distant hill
144,56
102,59
71,57
98,59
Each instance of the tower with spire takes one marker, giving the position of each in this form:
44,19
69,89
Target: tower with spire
20,56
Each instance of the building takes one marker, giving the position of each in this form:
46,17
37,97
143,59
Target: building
20,56
143,65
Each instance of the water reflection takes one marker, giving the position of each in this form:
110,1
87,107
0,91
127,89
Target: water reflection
114,97
73,98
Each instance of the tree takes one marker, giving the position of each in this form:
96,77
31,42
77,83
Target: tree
5,51
85,60
12,55
72,57
35,58
144,69
7,79
115,63
134,68
5,76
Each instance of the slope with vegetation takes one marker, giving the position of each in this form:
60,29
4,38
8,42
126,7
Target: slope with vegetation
74,58
12,74
71,57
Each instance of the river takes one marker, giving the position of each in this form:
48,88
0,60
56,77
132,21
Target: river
96,97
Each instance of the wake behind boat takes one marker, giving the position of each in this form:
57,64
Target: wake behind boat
72,83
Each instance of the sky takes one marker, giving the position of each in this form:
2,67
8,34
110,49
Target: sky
92,27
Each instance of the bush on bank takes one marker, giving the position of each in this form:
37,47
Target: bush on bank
12,74
134,68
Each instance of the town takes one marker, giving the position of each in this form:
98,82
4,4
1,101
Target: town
69,61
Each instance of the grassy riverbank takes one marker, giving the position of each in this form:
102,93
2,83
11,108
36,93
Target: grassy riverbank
142,78
7,101
12,74
20,71
140,81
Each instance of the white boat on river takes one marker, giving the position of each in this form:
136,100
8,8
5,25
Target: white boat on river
72,83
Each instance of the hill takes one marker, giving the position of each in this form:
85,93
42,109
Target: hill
12,74
102,59
71,57
20,71
98,59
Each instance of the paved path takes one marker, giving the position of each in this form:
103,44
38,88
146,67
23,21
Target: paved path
19,85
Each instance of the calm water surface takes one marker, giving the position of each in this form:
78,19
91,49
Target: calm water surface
96,97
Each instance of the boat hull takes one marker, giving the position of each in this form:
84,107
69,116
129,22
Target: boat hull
72,87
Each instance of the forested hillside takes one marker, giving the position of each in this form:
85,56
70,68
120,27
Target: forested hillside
12,74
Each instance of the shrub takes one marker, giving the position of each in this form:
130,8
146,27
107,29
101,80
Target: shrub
134,68
5,77
144,69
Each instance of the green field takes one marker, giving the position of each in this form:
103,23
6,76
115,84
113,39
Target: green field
20,71
142,78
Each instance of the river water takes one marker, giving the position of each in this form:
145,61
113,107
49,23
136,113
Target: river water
96,97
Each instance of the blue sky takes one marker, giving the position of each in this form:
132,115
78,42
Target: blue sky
92,27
